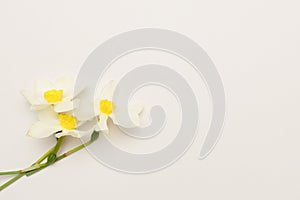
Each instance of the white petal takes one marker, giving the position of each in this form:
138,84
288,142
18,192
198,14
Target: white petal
137,109
66,106
31,97
81,123
67,98
97,107
41,130
102,123
108,90
48,116
39,107
65,83
42,86
73,133
133,112
79,89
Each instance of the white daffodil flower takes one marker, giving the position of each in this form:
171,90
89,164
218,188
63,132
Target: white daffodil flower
58,94
105,108
60,124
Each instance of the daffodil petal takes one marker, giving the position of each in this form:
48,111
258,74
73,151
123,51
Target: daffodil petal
68,98
66,106
39,107
41,130
42,86
134,121
65,83
102,123
97,107
81,123
48,116
30,97
78,90
133,112
137,109
108,90
73,133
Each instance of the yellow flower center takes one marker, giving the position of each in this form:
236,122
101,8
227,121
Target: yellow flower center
67,121
53,96
106,106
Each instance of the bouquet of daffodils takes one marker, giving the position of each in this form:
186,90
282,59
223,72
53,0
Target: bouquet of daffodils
54,103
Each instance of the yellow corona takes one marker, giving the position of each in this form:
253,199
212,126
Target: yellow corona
106,106
53,96
66,121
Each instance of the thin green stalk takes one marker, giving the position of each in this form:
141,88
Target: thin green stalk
94,137
21,173
73,150
54,149
43,166
41,159
11,181
10,172
37,166
58,144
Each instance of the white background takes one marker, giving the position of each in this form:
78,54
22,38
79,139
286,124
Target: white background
255,46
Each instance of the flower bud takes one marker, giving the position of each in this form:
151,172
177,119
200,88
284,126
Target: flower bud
51,158
94,136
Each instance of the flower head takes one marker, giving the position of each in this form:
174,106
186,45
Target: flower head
105,108
60,124
58,94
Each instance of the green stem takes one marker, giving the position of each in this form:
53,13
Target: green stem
10,172
11,181
58,144
54,151
94,137
74,150
43,166
21,173
41,159
37,166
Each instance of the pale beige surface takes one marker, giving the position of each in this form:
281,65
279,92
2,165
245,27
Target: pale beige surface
255,46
